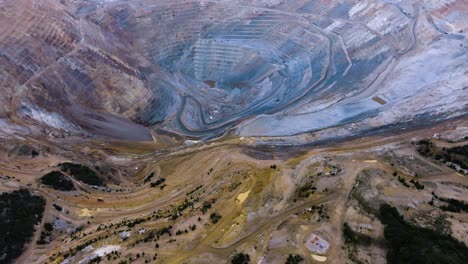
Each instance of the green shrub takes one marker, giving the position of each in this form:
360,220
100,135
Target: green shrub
306,190
457,155
82,173
418,185
158,182
240,258
454,205
19,213
215,217
58,181
355,238
149,177
294,259
407,243
207,205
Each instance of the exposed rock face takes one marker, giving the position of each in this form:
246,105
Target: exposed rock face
259,68
59,68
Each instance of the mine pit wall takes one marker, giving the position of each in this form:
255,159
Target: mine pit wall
152,63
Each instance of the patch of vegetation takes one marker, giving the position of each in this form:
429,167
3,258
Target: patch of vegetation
359,189
415,183
207,205
45,234
453,205
19,213
240,258
215,217
158,182
58,181
157,234
180,232
57,207
322,211
135,222
454,157
97,259
294,259
25,150
184,205
194,190
234,186
403,181
149,177
306,190
34,153
407,243
352,237
442,225
82,173
418,185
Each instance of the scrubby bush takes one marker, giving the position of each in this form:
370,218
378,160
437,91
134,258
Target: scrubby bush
240,258
81,173
454,205
19,213
294,259
456,155
215,217
58,181
207,205
407,243
158,182
305,190
149,177
355,238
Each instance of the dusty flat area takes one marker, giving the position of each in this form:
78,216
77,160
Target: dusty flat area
263,208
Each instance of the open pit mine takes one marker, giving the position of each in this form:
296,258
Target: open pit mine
234,131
